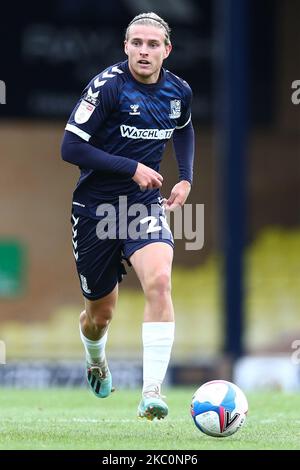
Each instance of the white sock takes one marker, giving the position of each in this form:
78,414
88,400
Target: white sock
95,350
158,339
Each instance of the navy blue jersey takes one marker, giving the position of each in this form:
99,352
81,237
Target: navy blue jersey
124,117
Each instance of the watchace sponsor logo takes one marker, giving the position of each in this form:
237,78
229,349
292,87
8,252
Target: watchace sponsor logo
132,132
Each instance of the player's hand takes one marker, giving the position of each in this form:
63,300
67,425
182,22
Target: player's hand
147,178
178,196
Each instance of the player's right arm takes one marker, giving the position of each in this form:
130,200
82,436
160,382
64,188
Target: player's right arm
147,178
76,151
97,102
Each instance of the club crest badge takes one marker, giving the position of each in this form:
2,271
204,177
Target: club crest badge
175,106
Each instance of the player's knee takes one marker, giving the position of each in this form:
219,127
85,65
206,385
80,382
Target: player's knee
99,312
100,316
101,321
159,284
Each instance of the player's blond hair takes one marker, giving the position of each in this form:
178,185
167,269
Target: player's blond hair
151,19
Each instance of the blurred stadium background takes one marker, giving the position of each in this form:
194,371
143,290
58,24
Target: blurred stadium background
47,56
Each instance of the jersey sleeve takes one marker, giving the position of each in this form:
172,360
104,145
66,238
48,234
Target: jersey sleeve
186,112
97,101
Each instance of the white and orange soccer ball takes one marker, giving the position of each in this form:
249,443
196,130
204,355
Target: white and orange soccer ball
219,408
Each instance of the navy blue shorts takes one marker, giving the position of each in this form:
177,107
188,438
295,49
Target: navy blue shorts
101,245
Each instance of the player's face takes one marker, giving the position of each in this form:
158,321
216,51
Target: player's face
146,50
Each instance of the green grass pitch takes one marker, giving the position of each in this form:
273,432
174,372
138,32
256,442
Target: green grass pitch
75,419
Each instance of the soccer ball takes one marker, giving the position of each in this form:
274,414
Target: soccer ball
219,408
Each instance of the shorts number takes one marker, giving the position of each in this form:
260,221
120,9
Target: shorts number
153,221
152,227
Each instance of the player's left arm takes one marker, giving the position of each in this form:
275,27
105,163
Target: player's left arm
183,141
184,147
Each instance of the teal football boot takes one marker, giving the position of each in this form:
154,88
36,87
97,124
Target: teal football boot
99,379
152,406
